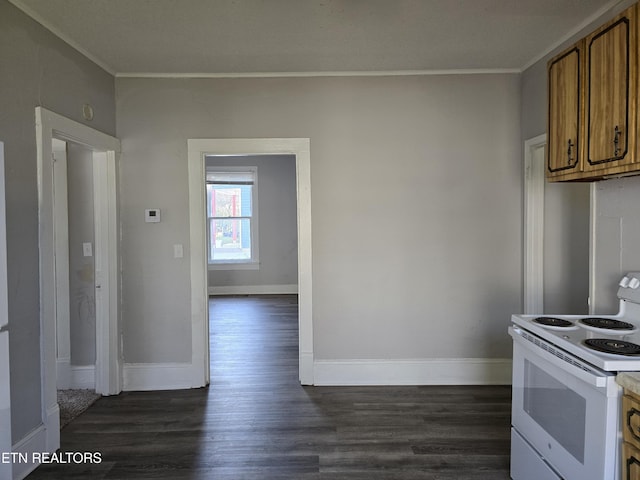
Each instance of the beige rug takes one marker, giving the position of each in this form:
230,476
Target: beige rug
73,402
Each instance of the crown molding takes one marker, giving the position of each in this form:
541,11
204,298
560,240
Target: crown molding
576,30
382,73
62,36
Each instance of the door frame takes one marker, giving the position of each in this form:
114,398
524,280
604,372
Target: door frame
6,444
106,150
533,271
534,178
197,150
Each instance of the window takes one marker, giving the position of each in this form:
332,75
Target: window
232,226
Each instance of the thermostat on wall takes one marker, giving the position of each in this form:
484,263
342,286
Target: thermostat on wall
152,215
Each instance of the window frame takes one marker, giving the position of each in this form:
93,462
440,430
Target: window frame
252,263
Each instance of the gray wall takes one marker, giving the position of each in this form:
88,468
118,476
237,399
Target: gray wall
416,207
617,240
36,68
566,248
277,218
616,245
82,294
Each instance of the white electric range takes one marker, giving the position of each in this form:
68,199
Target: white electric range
609,342
566,403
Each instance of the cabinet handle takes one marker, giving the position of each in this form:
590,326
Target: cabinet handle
570,146
616,141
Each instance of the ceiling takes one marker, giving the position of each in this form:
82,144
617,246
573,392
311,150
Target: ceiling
210,37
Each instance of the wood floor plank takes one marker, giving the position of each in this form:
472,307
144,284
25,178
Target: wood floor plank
255,421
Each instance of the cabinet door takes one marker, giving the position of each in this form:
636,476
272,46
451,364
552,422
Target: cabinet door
630,462
565,102
611,93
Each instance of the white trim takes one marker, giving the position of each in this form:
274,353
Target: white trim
197,149
534,178
593,221
234,266
108,372
157,376
63,373
61,245
35,441
254,290
430,371
50,125
75,376
373,73
5,371
83,377
61,35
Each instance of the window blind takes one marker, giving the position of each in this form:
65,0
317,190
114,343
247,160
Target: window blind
246,177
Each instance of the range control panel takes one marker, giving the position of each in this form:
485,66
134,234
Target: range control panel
630,287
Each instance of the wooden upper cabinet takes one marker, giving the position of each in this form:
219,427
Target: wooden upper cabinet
593,104
611,95
564,145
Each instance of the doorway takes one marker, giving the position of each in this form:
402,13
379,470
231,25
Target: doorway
557,228
198,149
251,217
75,266
103,150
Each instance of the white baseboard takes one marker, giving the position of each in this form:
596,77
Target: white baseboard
83,376
36,441
63,369
75,376
254,290
306,368
52,427
432,371
158,376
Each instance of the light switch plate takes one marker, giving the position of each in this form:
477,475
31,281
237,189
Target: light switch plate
87,249
178,251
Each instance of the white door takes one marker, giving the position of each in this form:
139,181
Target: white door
5,387
75,266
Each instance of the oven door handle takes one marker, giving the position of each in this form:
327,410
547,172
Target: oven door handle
564,361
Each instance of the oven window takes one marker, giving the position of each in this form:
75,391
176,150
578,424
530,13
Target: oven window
556,408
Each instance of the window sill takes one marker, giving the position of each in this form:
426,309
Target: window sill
235,266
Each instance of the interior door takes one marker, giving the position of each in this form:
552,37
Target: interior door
5,385
75,266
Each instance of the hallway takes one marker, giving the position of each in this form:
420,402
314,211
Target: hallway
255,421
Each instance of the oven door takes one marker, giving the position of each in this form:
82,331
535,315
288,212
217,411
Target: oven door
567,410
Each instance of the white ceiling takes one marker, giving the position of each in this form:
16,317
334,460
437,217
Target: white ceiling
278,36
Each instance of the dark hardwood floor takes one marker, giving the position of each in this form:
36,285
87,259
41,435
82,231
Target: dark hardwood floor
255,421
